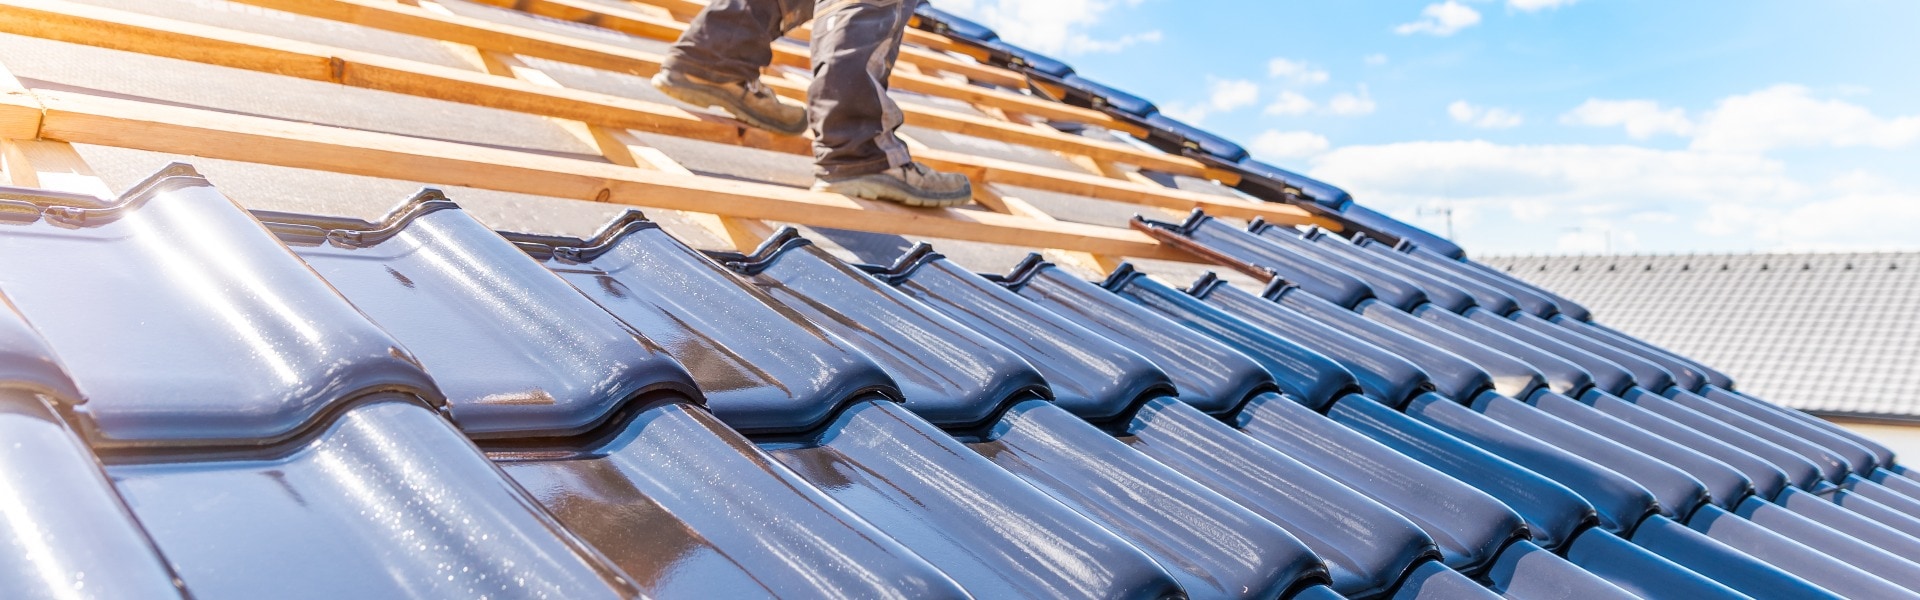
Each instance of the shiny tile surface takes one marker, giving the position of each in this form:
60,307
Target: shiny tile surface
762,367
1214,547
689,509
517,351
948,373
1206,373
233,338
987,529
1089,375
388,501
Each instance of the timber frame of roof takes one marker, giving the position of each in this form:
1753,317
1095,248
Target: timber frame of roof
39,126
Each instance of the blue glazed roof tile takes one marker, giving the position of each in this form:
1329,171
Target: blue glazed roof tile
271,346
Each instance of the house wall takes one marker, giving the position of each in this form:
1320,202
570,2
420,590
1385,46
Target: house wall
1902,438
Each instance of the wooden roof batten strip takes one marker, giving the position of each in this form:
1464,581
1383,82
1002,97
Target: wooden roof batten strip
40,125
88,119
76,23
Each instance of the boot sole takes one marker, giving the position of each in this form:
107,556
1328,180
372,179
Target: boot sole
869,189
698,96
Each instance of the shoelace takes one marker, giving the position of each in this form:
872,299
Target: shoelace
757,89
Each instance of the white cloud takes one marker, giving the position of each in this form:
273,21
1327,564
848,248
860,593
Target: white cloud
1191,114
1537,5
1484,117
1296,71
1290,104
1051,26
1854,211
1352,104
1443,19
1231,94
1375,59
1289,144
1788,116
1642,119
1083,44
1573,198
1563,175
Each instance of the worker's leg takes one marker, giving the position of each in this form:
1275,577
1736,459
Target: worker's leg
854,148
731,40
854,45
717,61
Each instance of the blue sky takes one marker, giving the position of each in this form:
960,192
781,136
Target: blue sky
1545,126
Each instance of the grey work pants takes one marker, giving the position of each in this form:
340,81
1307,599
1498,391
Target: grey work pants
854,45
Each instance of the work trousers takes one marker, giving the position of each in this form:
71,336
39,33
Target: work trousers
855,43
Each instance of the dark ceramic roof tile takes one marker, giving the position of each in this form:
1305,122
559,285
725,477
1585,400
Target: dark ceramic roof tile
947,373
388,500
764,368
1469,526
1218,241
1801,472
1726,485
1214,547
1385,257
1608,376
1561,375
1511,376
1554,513
1090,375
1676,491
68,529
25,361
287,445
1208,374
1443,292
989,529
1367,547
1526,297
647,500
1645,373
518,352
1382,374
1451,375
1387,287
232,340
1307,376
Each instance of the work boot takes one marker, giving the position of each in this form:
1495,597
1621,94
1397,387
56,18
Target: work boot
749,101
912,185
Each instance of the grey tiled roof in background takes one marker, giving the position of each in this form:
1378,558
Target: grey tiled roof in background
1826,333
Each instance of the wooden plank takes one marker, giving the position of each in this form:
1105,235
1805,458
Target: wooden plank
152,35
81,118
19,111
51,165
682,10
1087,264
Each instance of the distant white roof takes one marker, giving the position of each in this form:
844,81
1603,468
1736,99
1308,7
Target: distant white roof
1826,333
